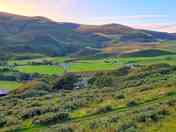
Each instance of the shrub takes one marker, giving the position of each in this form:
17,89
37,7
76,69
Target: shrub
121,96
51,118
36,111
129,127
66,82
101,80
65,130
152,116
2,122
132,104
104,109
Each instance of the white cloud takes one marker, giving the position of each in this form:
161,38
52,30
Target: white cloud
132,17
158,27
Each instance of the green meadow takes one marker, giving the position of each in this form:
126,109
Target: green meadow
9,85
42,69
27,61
91,65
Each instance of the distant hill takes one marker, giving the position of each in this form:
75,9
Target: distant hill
125,33
107,29
148,53
21,34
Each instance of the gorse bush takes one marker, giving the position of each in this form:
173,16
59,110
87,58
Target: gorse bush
104,109
132,104
66,82
50,118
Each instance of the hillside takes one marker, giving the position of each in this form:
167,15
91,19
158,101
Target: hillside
108,29
22,34
126,34
133,98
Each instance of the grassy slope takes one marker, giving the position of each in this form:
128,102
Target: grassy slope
153,93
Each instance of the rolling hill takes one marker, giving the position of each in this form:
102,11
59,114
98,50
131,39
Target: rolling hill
125,33
22,34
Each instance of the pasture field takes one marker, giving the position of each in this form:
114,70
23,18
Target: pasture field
27,61
42,69
9,85
93,65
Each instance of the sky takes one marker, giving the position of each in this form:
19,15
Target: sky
146,14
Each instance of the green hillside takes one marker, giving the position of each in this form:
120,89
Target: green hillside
129,99
42,36
67,77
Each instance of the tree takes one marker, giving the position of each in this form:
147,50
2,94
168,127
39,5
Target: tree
66,82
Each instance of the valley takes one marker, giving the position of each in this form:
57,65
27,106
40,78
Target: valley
66,77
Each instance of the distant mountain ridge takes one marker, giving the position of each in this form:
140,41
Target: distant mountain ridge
127,33
21,34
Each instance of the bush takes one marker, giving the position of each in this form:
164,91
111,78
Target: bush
2,122
152,116
105,109
129,127
36,111
51,118
120,96
132,104
101,80
66,82
65,130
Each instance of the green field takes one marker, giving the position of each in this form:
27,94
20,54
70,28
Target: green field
94,65
25,62
9,85
42,69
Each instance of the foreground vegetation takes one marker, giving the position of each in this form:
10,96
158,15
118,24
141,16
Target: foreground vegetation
128,93
133,98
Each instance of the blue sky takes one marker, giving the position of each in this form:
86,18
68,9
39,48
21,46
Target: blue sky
149,14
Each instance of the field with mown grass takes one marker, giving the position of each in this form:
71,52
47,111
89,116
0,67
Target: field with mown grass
39,59
42,69
93,65
9,85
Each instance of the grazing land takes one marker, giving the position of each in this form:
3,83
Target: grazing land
93,65
9,85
